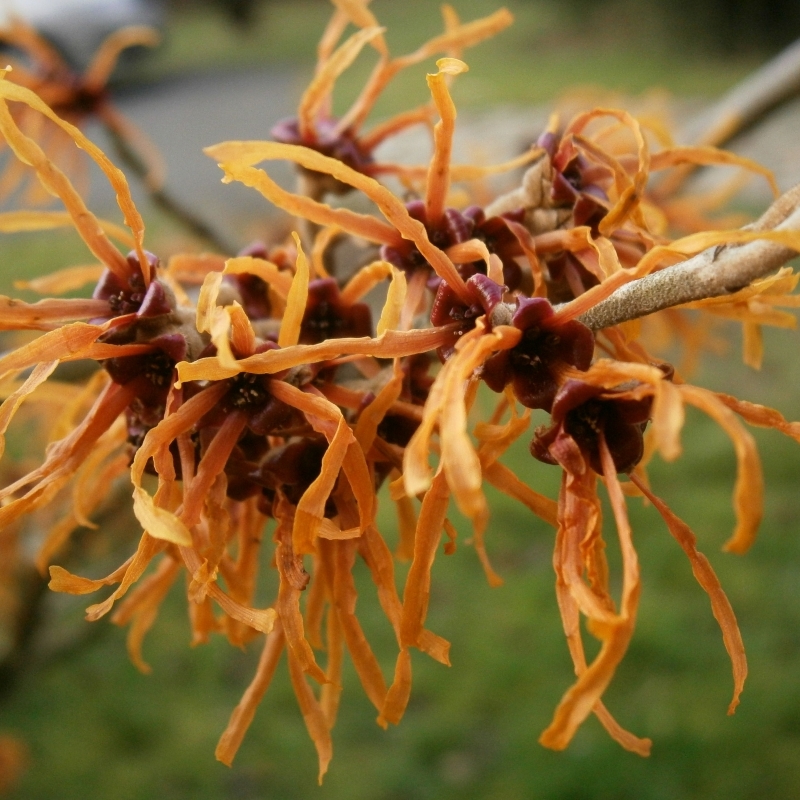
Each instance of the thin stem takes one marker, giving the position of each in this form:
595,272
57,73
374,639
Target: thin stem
714,272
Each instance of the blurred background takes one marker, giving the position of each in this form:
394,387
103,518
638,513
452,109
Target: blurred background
87,725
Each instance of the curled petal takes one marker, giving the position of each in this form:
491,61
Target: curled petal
391,344
438,179
392,311
313,715
364,280
24,220
668,417
320,88
705,155
10,405
148,548
502,478
236,158
278,279
748,494
418,582
245,710
63,581
54,180
288,602
707,578
58,345
762,416
579,701
158,522
140,609
99,71
296,300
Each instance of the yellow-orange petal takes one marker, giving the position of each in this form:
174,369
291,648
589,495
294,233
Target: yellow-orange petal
84,220
748,493
245,710
296,300
236,158
706,577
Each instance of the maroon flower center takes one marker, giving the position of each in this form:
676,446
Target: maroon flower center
584,414
246,391
534,367
328,140
449,308
131,296
454,228
327,316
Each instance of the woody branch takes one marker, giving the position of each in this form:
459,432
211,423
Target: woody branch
714,272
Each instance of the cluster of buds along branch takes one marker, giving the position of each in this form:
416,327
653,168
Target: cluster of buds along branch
251,394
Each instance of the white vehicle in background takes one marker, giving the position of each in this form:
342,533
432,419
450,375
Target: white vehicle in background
76,27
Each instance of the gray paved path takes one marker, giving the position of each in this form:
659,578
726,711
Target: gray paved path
184,116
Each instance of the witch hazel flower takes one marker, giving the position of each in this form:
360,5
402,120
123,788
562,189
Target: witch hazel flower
547,349
587,413
457,232
342,138
449,308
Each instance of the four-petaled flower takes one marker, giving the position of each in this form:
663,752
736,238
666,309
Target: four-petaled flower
548,348
585,413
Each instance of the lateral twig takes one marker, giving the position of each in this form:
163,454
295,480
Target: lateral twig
714,272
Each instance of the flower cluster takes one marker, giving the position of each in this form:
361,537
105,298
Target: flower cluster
254,393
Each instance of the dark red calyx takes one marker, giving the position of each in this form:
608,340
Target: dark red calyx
499,240
454,228
249,393
246,392
256,249
397,429
405,255
583,413
87,101
448,307
292,468
155,301
154,371
567,277
254,294
131,296
577,181
548,141
152,374
327,316
242,466
252,290
341,145
590,208
535,365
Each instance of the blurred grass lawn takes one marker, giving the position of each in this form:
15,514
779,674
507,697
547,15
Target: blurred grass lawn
544,53
98,729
